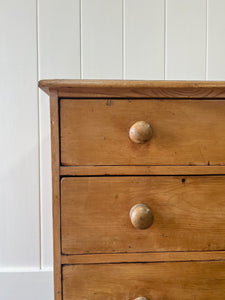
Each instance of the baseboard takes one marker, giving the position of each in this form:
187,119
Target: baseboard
26,285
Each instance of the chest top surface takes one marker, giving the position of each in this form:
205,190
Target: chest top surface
134,88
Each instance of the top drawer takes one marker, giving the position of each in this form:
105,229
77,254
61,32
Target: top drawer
184,132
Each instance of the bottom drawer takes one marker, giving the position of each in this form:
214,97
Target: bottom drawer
154,281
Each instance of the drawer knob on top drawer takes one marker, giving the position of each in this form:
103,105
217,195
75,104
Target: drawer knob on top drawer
140,132
141,216
141,298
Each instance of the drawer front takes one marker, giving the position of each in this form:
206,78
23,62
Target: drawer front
184,132
161,281
186,214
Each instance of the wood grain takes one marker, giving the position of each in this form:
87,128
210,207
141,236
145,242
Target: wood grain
143,257
96,132
188,211
156,281
141,216
140,170
56,194
140,132
182,254
134,88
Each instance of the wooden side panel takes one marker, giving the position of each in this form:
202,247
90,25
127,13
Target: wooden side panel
101,39
186,39
188,212
144,39
56,194
185,132
167,281
216,42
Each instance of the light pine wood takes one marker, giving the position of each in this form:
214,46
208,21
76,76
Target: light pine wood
185,132
188,211
141,170
156,281
99,250
140,132
134,88
56,194
141,216
144,257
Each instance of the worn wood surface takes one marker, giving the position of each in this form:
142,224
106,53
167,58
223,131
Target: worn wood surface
140,132
140,170
141,216
143,257
56,194
134,88
182,254
189,214
185,132
167,281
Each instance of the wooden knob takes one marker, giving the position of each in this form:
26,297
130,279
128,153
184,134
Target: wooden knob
141,216
140,132
141,298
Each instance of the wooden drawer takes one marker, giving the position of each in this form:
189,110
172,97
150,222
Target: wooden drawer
185,132
155,281
188,213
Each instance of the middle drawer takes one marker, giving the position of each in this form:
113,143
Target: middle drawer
188,213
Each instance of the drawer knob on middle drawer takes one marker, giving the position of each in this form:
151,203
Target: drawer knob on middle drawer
141,216
140,132
141,298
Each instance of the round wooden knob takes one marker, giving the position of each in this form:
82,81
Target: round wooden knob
141,298
141,216
140,132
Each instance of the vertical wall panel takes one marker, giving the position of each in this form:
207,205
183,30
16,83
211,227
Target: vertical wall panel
19,172
59,57
101,39
216,40
144,39
59,39
186,39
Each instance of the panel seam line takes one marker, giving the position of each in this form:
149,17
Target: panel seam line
39,140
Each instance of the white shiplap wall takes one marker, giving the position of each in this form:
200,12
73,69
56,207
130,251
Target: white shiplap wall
111,39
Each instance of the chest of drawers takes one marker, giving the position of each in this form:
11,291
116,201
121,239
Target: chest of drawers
138,171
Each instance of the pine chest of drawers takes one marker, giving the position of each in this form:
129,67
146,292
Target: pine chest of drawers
138,173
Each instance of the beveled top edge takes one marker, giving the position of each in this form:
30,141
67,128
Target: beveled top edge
60,83
135,88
